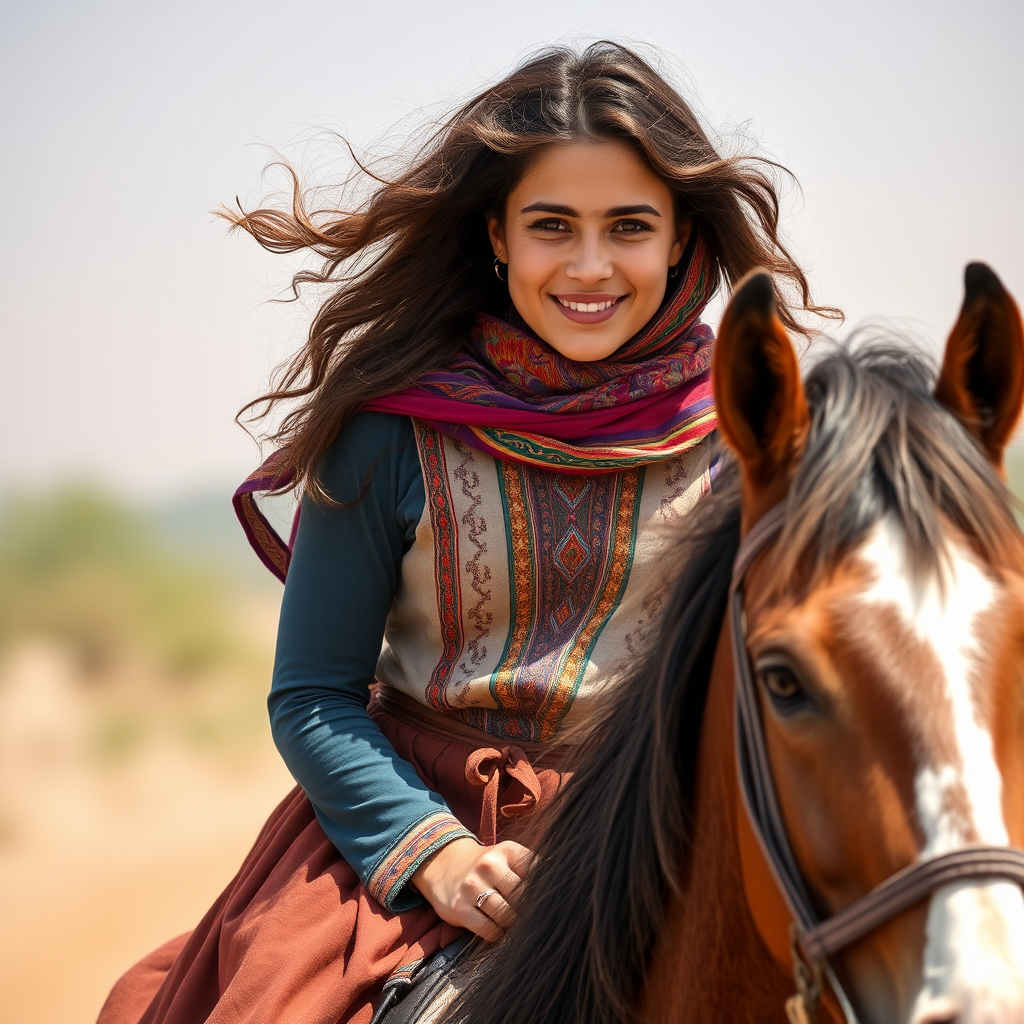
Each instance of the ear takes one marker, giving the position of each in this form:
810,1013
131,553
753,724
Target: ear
982,376
496,233
762,411
684,228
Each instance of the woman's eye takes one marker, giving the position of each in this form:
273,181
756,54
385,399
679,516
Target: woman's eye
632,227
548,225
783,687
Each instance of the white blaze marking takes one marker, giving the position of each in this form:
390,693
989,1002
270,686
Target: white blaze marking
974,955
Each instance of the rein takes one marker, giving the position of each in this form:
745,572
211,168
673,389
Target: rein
815,941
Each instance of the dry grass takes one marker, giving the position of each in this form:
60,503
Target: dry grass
136,764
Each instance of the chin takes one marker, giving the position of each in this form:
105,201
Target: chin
580,350
582,356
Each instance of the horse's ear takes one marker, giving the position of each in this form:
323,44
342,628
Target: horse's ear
762,411
982,376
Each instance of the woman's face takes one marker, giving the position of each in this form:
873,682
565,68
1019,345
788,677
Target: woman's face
589,235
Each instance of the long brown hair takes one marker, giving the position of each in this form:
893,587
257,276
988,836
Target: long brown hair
413,265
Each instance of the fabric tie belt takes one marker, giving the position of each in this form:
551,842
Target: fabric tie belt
511,787
506,771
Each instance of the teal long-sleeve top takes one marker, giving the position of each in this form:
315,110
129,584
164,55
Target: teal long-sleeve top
345,569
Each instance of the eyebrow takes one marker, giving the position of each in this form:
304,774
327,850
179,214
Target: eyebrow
568,211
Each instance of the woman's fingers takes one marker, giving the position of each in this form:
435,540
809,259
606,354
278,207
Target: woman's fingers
498,910
503,866
470,885
483,926
501,879
520,859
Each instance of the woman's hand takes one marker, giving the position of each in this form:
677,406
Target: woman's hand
453,879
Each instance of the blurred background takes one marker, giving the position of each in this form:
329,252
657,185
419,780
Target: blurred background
136,630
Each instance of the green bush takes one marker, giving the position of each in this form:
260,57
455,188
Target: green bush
96,574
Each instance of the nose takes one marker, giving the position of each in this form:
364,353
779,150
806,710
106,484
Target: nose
590,262
972,1008
939,1011
973,964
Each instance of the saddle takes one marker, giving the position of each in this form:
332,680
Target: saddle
422,994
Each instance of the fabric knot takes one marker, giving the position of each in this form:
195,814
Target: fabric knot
511,787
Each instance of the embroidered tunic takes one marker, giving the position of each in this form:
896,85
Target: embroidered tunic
504,600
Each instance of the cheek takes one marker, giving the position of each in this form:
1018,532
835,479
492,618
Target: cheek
845,813
531,269
807,799
646,271
1008,743
651,283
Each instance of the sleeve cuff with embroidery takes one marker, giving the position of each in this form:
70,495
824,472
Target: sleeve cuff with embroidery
388,880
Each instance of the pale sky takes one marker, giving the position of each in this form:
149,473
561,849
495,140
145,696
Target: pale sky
132,327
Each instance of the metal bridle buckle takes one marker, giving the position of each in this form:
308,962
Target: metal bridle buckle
802,1008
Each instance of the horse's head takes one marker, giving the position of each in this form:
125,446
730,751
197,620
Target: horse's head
885,627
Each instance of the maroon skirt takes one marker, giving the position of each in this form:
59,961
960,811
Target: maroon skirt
296,936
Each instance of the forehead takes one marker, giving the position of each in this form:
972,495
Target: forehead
931,629
591,176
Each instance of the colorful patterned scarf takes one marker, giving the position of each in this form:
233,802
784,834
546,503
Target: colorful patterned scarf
511,395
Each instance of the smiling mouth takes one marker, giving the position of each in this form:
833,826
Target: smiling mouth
583,310
587,307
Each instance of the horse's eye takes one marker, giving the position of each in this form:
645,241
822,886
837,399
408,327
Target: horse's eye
782,685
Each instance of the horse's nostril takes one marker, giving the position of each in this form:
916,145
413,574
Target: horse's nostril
938,1013
937,1010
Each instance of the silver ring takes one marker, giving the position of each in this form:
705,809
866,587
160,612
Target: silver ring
484,896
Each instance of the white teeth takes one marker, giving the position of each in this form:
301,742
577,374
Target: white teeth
587,307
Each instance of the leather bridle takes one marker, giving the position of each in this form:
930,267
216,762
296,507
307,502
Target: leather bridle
815,941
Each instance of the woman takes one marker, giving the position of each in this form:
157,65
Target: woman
501,404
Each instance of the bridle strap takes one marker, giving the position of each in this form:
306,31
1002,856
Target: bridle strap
819,940
751,751
762,533
907,887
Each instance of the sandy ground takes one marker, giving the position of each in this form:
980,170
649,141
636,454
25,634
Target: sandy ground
102,861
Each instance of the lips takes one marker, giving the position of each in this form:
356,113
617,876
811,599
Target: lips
587,307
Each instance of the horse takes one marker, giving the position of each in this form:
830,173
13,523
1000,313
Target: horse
876,626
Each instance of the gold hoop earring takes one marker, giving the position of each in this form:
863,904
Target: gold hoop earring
498,267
